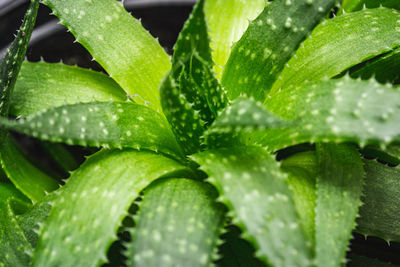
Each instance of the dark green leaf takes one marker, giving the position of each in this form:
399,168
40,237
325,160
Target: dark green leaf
269,42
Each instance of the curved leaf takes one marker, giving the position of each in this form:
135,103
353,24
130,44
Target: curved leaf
355,5
269,42
31,181
105,124
341,43
178,224
15,250
43,85
379,216
255,190
339,187
226,30
96,199
116,40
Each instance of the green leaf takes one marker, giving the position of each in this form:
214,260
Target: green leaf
43,85
226,30
339,187
98,124
269,42
355,5
358,36
61,155
191,96
178,224
31,181
95,200
15,250
129,54
391,154
341,110
253,187
379,216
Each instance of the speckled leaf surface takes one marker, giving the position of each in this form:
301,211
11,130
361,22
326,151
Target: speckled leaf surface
379,216
363,112
191,96
226,30
15,250
269,42
355,5
46,85
178,224
358,36
253,187
31,181
339,187
106,124
129,54
95,200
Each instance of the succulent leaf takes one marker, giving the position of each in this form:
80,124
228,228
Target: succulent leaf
44,85
379,216
178,223
226,30
339,187
269,42
253,187
119,43
108,124
15,250
96,199
358,36
355,5
31,181
191,95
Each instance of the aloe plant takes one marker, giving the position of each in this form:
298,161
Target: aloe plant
254,144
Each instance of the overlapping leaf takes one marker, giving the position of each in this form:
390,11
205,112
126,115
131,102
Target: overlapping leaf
354,5
178,223
358,36
269,42
339,186
116,40
43,85
255,190
95,200
106,124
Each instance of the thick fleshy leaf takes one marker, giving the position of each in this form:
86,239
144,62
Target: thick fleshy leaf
390,154
269,42
31,181
191,96
15,250
354,5
116,40
341,43
255,190
11,63
379,216
107,124
96,199
178,224
339,187
43,85
62,156
226,30
335,110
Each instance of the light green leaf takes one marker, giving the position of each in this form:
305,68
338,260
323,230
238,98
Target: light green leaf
341,43
253,187
96,199
31,181
15,250
106,124
43,85
379,216
129,54
226,30
355,5
338,188
269,42
178,224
